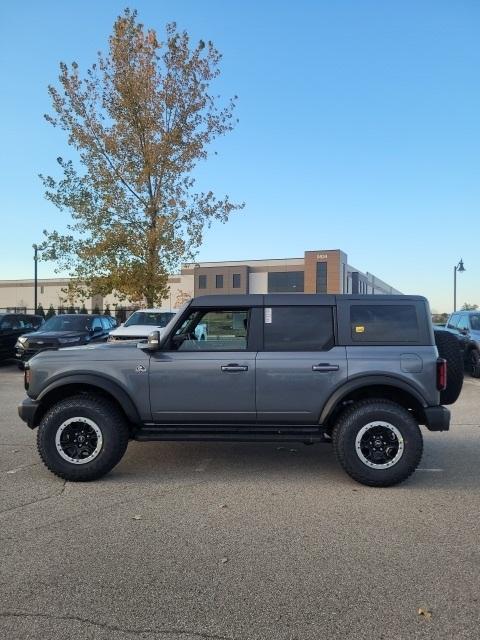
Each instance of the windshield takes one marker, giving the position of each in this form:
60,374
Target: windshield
67,323
475,322
149,318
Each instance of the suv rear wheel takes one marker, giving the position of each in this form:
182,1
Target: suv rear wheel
377,442
82,437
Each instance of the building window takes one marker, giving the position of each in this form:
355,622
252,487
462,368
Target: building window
236,281
42,289
285,281
219,282
321,277
202,282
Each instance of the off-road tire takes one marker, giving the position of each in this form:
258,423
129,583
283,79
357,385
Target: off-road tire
350,423
109,419
473,362
449,348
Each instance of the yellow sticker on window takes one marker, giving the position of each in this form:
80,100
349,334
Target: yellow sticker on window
359,329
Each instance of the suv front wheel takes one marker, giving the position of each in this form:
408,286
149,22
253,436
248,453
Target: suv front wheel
378,442
82,437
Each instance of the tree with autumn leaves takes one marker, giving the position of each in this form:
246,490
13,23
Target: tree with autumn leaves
140,120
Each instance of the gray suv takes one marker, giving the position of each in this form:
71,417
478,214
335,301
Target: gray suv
361,372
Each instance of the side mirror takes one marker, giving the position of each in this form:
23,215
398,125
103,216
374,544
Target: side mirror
464,332
179,340
152,343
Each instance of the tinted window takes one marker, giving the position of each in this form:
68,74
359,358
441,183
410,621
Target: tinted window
321,277
219,282
475,322
36,321
285,281
384,323
150,318
219,330
236,281
463,322
9,321
96,323
67,323
452,323
298,329
202,282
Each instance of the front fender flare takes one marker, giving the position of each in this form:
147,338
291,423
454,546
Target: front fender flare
101,382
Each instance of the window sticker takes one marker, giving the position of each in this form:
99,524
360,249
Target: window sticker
268,315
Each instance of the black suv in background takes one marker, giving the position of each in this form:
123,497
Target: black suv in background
67,330
13,325
465,325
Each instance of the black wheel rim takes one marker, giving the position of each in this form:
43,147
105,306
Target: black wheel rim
379,445
78,440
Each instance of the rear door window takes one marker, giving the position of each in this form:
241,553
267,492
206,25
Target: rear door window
298,328
384,323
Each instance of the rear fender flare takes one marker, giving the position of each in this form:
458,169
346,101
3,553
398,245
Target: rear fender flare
367,381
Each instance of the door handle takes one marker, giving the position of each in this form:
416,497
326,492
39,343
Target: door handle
324,366
232,368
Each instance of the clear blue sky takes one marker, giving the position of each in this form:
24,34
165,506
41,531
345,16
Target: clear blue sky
359,129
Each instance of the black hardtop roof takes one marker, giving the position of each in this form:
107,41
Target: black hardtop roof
285,299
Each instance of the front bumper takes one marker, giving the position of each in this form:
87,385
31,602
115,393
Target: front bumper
27,410
437,418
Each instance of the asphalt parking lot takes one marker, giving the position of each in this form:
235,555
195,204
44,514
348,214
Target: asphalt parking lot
230,541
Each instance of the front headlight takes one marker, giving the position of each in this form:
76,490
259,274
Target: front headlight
69,340
22,340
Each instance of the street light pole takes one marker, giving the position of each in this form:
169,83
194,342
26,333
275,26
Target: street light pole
35,287
460,268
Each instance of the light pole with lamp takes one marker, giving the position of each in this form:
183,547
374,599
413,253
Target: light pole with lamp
460,268
35,258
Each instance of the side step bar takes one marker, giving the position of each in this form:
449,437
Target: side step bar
237,433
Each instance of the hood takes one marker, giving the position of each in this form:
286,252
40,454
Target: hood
52,336
136,331
99,351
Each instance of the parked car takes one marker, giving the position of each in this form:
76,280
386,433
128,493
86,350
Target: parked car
65,330
13,325
465,325
362,372
140,324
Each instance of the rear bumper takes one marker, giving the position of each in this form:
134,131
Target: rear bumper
27,410
437,418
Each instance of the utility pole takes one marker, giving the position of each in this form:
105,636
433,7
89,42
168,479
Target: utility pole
35,287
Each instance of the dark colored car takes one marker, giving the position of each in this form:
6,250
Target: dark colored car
68,330
465,325
13,325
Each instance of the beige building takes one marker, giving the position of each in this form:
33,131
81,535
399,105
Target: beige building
323,271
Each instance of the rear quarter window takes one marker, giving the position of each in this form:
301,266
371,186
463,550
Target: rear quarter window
384,323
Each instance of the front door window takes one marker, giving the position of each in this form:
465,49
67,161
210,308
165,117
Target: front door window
218,330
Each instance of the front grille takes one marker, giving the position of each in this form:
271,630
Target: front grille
115,338
44,345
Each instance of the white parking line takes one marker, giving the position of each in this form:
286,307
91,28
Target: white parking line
435,470
203,464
